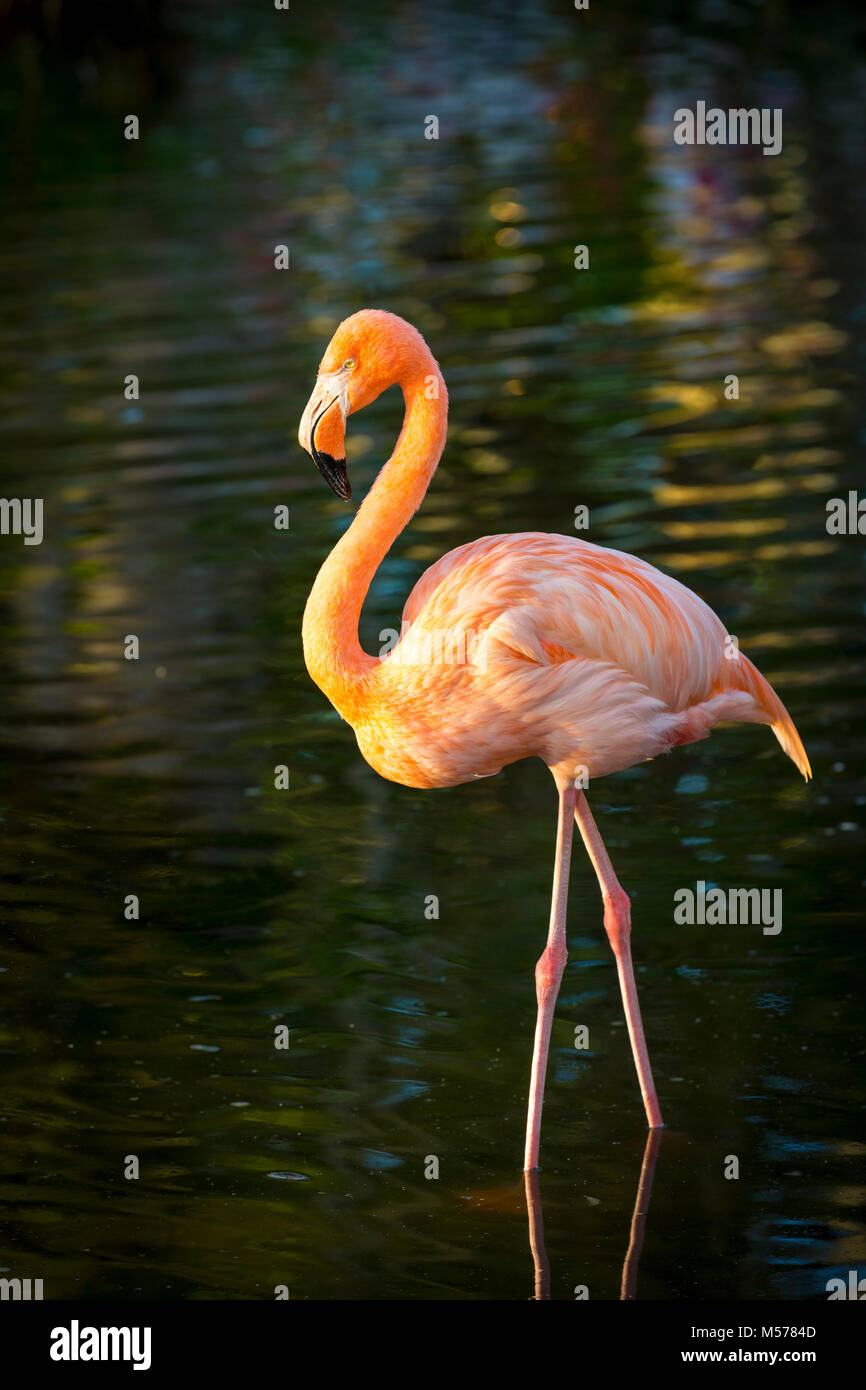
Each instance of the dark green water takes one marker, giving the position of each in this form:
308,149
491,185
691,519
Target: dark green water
305,907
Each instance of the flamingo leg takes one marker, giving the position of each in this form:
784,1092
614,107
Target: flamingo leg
548,973
617,924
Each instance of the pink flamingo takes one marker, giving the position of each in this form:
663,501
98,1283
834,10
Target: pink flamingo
513,646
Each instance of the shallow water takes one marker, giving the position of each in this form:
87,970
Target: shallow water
411,1037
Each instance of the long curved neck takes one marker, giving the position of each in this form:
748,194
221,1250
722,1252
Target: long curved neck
334,656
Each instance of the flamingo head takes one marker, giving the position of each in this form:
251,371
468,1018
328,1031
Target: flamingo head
368,353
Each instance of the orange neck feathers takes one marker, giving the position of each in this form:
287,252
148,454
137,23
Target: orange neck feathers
332,651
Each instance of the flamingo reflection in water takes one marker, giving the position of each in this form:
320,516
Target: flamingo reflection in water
628,1283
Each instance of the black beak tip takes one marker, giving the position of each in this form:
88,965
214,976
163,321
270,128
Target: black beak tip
334,473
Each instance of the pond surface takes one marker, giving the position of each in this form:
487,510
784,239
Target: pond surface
410,1037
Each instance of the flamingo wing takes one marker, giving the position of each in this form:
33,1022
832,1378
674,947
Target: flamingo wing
632,635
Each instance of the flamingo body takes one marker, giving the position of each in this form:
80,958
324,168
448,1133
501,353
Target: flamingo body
537,645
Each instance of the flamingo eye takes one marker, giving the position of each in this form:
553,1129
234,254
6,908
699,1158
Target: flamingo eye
349,362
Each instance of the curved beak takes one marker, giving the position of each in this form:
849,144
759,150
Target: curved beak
322,431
